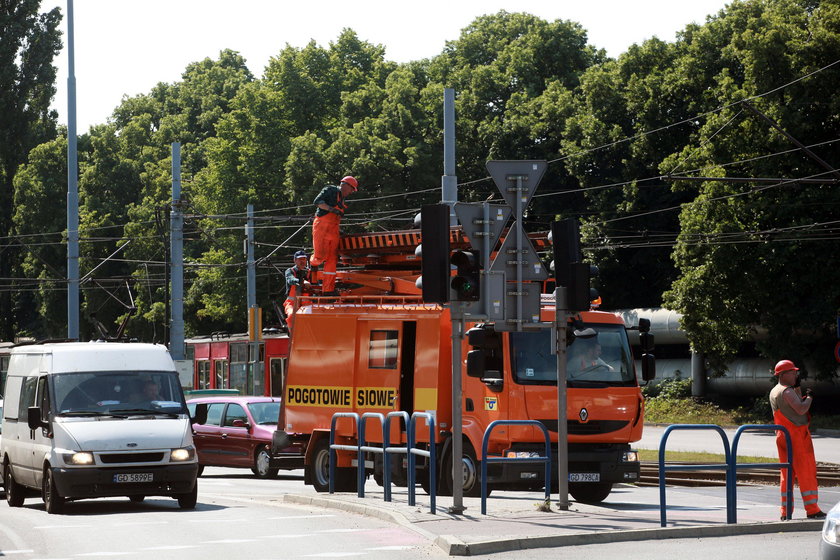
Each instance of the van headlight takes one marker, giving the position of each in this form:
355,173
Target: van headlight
182,454
80,458
831,527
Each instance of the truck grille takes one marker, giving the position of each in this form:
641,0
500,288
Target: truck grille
596,427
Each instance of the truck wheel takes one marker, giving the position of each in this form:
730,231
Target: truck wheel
15,493
319,471
471,469
262,460
188,500
590,492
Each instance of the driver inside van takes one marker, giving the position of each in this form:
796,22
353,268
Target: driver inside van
150,392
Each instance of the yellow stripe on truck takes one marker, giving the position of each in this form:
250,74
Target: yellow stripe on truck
337,397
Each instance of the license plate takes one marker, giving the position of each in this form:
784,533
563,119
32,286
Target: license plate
134,477
585,477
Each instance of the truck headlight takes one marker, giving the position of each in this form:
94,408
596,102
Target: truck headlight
631,457
182,454
80,458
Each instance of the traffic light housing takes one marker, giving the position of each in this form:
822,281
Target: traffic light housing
434,253
569,271
466,284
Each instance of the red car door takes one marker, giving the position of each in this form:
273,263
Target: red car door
236,442
207,436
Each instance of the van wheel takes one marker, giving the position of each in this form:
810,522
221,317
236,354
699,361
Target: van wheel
53,501
15,493
319,471
262,460
590,492
188,500
137,498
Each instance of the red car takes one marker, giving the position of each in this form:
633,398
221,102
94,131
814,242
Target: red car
237,433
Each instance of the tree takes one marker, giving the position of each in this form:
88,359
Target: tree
28,43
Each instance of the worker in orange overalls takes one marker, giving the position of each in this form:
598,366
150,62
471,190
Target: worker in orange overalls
790,409
330,208
297,282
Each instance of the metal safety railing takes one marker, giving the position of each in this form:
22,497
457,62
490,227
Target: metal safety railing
734,466
361,447
730,466
544,459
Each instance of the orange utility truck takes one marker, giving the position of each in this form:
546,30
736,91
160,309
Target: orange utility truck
378,348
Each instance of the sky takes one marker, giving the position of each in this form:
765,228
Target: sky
126,47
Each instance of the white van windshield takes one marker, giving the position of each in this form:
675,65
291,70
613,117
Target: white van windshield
93,393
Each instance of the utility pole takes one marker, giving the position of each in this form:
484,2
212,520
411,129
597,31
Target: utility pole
176,248
72,188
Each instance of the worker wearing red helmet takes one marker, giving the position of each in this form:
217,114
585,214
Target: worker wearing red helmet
791,410
330,207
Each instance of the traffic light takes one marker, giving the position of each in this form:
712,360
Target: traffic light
434,253
569,271
466,284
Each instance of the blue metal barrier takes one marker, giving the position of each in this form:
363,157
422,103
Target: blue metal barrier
413,452
732,499
663,467
360,468
485,459
334,446
388,450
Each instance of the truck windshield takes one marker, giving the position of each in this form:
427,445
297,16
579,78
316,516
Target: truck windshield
604,359
98,393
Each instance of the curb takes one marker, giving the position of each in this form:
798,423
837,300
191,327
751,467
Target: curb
454,546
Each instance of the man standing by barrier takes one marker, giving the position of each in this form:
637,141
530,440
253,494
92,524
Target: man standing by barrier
330,208
791,410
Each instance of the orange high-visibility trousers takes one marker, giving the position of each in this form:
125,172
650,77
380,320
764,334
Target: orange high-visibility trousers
325,245
289,306
804,464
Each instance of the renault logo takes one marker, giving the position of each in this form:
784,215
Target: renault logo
584,415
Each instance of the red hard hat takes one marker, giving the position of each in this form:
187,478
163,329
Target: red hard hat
783,366
350,180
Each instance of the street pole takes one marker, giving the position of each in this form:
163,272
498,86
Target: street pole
457,417
72,187
560,317
176,249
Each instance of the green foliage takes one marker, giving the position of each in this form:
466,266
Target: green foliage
670,388
728,256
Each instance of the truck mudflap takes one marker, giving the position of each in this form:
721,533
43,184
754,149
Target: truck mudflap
587,464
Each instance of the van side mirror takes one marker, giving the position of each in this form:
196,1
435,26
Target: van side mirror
33,418
200,416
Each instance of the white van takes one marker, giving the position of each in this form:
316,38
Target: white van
96,419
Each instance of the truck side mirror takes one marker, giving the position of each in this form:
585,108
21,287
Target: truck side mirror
476,363
33,418
648,367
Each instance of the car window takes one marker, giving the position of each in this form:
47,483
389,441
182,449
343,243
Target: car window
214,414
234,412
191,409
264,412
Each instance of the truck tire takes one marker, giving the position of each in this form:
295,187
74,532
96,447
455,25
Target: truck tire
15,493
53,501
262,460
471,469
590,492
319,471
